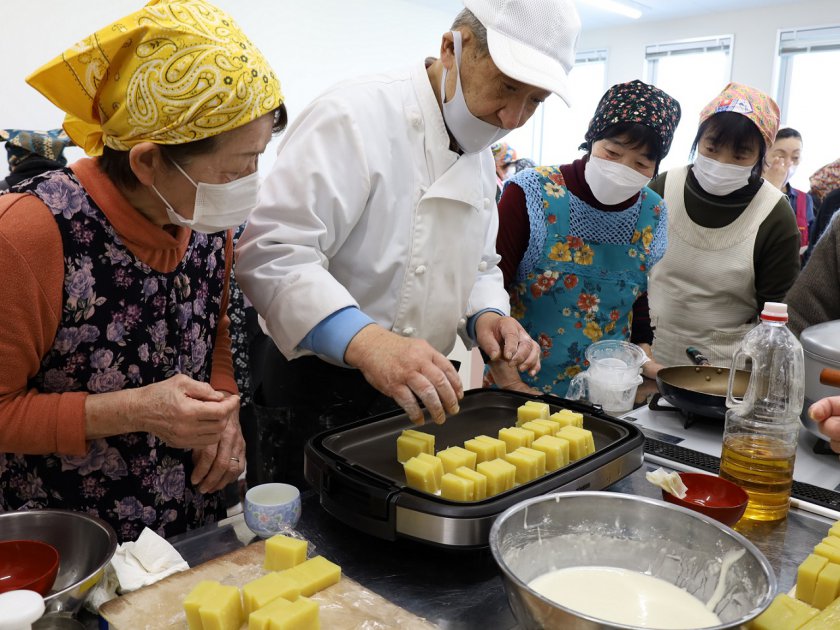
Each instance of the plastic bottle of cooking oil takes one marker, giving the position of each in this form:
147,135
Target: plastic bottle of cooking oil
762,428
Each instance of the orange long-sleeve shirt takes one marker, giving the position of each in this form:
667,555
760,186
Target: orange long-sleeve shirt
31,282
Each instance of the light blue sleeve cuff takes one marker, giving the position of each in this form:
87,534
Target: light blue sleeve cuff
472,320
332,335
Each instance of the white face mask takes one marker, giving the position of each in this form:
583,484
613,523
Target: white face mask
717,178
612,182
217,207
472,134
791,172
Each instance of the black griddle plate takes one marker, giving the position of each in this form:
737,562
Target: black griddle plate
355,470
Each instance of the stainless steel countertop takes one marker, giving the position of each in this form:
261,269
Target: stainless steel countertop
458,588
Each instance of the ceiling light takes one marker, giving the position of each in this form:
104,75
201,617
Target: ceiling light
613,6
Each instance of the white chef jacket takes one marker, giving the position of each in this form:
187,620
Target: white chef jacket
367,206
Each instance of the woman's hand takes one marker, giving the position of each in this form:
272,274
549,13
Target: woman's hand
219,464
182,412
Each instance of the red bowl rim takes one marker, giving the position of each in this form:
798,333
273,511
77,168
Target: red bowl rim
53,566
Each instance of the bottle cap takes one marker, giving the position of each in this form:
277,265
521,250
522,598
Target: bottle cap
774,312
20,609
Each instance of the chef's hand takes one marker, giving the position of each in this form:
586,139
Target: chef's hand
406,370
776,171
219,464
504,339
182,412
827,413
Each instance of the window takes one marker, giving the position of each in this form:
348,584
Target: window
807,93
693,72
555,131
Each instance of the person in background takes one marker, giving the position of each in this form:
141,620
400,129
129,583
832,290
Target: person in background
733,242
117,393
31,153
577,241
814,297
504,156
825,213
779,166
373,245
825,180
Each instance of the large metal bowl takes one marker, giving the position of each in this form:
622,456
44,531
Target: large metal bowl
619,530
85,545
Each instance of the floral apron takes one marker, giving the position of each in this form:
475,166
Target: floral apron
574,289
122,325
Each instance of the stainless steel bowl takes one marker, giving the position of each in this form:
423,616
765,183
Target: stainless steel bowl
573,529
85,545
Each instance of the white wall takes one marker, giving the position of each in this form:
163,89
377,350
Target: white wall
755,31
311,44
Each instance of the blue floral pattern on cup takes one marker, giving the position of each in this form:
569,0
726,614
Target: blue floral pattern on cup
266,518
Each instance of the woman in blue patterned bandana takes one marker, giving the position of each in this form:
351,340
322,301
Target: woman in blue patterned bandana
577,240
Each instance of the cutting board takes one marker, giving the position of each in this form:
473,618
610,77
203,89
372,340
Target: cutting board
346,605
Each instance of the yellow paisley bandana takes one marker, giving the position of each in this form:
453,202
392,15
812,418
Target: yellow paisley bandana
175,71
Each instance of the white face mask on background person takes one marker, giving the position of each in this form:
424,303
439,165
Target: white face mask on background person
717,178
612,182
791,172
472,134
217,207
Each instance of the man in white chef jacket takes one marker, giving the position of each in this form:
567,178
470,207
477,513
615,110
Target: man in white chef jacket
373,243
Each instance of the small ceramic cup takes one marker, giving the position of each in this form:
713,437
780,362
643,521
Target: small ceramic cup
271,507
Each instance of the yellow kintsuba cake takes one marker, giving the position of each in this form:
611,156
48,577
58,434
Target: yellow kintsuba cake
784,613
422,435
420,475
529,463
281,614
408,447
477,478
484,451
500,475
828,619
514,437
260,592
828,586
538,428
567,418
556,451
202,592
531,410
581,442
499,445
222,610
806,577
284,552
436,464
314,575
830,552
455,457
538,457
457,488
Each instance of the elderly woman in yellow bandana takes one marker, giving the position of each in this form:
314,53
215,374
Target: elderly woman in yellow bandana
117,394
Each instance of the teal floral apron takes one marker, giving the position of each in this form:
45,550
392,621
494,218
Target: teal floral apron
581,273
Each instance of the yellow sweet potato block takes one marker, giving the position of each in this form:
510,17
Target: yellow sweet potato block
284,552
567,418
193,601
556,451
479,480
499,445
455,457
806,577
514,437
500,475
262,591
420,475
581,442
314,575
784,613
457,488
223,610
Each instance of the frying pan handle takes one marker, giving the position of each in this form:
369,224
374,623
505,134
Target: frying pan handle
696,356
830,377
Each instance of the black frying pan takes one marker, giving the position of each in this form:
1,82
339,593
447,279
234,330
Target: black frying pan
700,389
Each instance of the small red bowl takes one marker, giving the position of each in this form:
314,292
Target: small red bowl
27,565
711,495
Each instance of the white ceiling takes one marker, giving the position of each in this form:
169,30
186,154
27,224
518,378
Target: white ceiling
652,10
